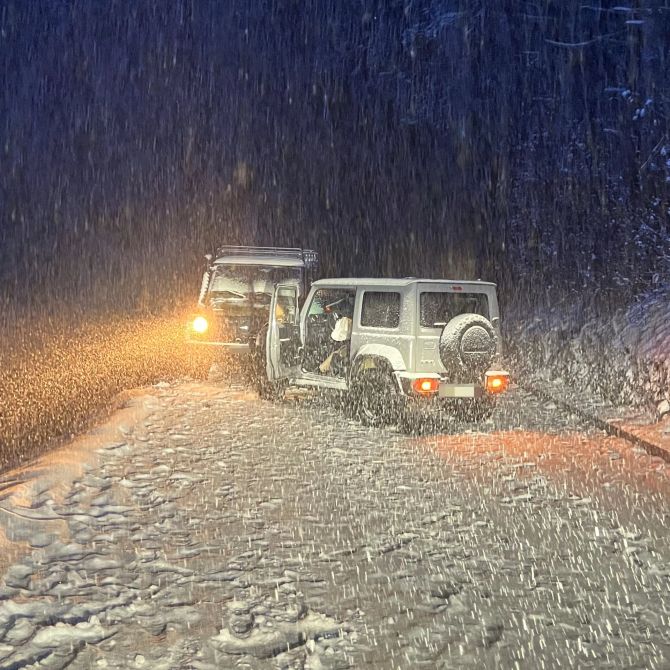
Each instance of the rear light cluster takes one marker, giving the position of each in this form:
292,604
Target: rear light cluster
426,385
497,382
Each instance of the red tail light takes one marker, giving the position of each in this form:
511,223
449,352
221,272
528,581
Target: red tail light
426,385
497,382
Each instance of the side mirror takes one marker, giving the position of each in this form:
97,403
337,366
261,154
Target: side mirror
208,257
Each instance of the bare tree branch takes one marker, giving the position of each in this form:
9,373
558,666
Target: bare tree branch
653,151
579,45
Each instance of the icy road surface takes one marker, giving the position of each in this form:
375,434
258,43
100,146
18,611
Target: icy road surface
208,529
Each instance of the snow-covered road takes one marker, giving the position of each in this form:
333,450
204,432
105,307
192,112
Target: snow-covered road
205,528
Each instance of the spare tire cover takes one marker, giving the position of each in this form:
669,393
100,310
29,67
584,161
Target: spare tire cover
468,346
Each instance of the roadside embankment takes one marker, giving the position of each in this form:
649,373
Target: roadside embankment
55,384
613,368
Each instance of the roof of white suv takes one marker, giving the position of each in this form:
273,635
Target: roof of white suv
398,282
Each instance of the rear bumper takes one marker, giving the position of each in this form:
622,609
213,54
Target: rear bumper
446,391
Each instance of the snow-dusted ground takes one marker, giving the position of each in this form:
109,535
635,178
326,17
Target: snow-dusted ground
209,529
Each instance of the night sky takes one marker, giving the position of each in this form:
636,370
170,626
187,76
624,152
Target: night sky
507,140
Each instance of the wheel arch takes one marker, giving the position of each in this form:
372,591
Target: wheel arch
378,356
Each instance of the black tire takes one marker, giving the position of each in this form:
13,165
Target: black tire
468,346
375,397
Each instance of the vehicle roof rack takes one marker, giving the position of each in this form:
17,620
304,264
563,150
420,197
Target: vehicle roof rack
308,256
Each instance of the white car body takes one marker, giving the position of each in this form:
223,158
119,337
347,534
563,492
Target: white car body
397,339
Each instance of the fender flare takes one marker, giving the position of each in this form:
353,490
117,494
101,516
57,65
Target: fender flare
377,355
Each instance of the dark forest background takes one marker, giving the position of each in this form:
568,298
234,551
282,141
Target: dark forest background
525,142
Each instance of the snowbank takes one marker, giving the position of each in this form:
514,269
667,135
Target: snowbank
624,357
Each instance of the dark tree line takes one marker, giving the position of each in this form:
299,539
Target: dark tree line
523,141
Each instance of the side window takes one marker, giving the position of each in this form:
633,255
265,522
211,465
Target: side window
333,301
380,309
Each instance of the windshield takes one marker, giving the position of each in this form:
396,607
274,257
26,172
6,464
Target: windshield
233,283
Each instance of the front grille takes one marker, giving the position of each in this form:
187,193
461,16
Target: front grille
225,329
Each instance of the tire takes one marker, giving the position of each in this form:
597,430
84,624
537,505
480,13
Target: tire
468,346
375,397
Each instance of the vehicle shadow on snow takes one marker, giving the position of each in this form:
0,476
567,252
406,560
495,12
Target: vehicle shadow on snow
516,411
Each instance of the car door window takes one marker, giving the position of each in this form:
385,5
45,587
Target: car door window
286,317
327,303
327,307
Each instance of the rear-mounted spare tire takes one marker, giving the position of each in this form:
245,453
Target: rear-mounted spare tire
468,346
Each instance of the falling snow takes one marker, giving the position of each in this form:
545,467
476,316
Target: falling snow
154,517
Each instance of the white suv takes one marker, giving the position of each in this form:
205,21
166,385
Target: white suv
393,348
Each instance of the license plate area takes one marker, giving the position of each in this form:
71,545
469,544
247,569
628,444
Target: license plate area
457,391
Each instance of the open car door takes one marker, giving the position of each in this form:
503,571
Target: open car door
283,338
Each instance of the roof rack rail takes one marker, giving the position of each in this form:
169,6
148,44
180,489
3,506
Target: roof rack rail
308,256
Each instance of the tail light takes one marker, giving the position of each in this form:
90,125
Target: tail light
497,382
426,385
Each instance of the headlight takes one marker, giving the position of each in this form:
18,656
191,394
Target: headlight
200,324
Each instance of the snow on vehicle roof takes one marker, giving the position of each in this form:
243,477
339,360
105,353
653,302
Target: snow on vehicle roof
404,281
260,260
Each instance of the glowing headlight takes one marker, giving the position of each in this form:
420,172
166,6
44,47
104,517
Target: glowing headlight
200,324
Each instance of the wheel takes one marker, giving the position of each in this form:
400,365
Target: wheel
375,397
467,346
266,389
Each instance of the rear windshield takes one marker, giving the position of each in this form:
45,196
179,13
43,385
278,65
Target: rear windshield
438,308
